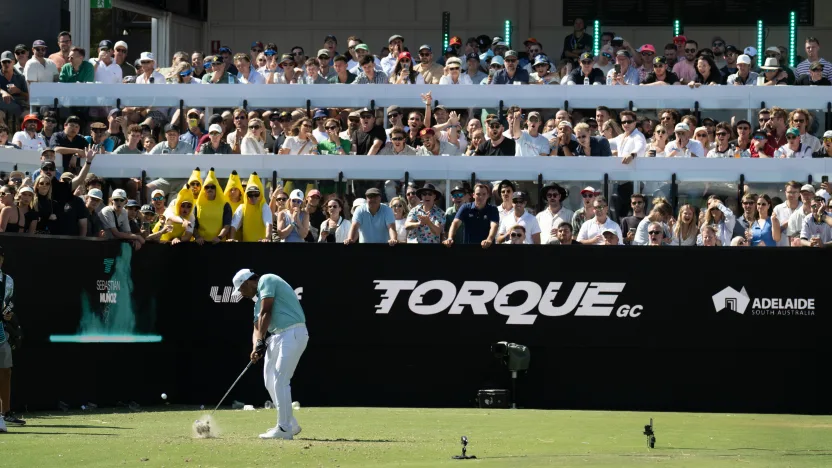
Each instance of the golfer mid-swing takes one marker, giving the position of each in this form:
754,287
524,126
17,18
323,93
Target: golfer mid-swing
278,312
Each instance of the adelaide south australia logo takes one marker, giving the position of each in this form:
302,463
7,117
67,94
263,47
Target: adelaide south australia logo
731,300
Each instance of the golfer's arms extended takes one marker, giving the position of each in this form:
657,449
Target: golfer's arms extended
263,319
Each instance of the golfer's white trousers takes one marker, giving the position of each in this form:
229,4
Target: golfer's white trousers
282,356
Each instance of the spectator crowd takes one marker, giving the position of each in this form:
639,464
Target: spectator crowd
76,202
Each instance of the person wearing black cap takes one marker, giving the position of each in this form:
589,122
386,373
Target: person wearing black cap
730,63
460,194
330,44
474,71
373,223
814,77
107,71
171,145
660,76
21,55
586,73
39,68
69,143
519,216
14,91
628,74
426,222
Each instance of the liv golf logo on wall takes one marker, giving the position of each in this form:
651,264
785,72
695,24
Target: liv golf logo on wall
729,299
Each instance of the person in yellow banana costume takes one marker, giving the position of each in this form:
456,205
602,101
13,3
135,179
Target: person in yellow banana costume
213,213
234,191
254,217
183,207
195,186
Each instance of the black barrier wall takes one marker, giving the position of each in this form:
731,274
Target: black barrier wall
668,329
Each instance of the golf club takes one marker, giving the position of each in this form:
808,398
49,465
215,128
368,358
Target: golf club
232,386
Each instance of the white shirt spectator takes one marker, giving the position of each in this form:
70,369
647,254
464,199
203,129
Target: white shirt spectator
23,140
634,143
463,142
343,229
298,146
237,219
784,213
252,146
642,237
803,151
107,74
811,141
548,221
463,79
254,77
158,78
811,228
528,146
445,149
751,81
694,149
109,220
527,221
37,73
796,223
593,228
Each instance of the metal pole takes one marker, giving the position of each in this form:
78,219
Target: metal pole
142,191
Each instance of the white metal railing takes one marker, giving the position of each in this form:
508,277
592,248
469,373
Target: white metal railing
328,167
266,96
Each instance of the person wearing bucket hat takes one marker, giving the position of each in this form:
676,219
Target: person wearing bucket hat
147,70
426,222
518,216
543,73
773,73
29,137
793,148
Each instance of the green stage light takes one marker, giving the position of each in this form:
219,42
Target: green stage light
677,28
446,29
761,40
508,33
596,38
792,37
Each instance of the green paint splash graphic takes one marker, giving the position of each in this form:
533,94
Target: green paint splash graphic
116,323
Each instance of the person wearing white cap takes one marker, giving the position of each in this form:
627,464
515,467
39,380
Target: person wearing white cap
744,75
92,200
277,313
683,146
795,224
215,143
826,149
115,221
148,74
120,50
455,75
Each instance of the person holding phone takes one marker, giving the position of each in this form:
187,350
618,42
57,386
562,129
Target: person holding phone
817,228
14,91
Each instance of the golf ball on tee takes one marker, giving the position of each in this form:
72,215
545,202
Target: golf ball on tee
164,396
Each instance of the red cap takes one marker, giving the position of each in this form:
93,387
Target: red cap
426,131
405,55
456,40
530,40
680,39
647,47
29,118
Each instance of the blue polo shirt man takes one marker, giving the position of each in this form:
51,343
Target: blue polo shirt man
518,75
374,222
479,219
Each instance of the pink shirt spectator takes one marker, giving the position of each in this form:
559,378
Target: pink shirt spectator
684,70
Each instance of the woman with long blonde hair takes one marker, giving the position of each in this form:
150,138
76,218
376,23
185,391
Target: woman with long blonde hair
255,140
610,130
658,142
19,218
400,212
44,206
686,228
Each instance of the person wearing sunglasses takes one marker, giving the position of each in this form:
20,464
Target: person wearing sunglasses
115,221
631,143
301,140
255,140
684,68
595,231
213,212
334,144
219,74
655,235
723,148
554,214
460,194
626,74
683,146
660,75
157,201
397,144
518,216
39,68
826,148
496,144
802,120
807,193
335,228
817,227
253,217
425,223
454,74
512,74
793,148
813,78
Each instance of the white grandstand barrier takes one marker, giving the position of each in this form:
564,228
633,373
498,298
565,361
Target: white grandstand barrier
327,167
265,96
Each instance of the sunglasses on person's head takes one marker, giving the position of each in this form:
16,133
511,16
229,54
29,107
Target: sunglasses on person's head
660,132
637,202
146,62
764,119
282,199
158,198
582,137
647,53
511,60
306,125
366,116
17,180
718,44
798,120
257,50
396,206
333,206
827,140
605,54
496,66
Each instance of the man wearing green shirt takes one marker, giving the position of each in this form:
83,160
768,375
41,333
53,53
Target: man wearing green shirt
77,70
218,74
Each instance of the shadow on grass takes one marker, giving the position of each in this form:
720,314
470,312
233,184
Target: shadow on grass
345,440
61,433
